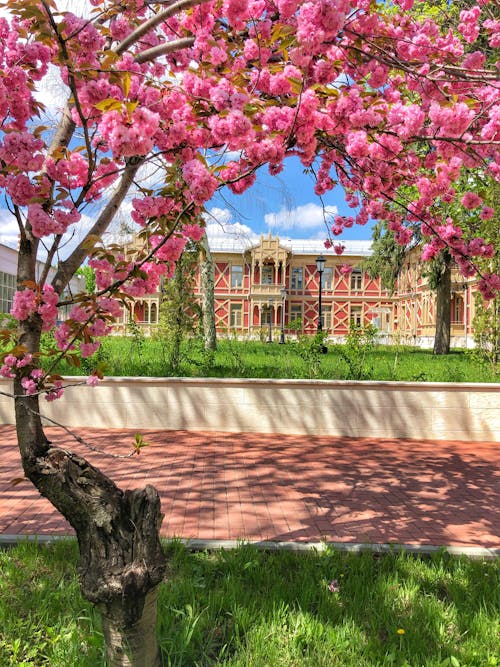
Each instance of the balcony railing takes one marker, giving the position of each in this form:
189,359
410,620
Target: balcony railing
271,290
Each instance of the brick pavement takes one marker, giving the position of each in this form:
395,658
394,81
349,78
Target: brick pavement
285,488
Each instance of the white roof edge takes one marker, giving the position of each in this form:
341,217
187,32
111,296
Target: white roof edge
296,246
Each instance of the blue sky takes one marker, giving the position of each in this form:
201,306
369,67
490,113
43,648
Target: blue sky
284,205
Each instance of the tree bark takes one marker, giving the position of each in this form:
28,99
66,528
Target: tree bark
207,279
121,558
443,310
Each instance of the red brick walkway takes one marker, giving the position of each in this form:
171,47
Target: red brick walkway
286,488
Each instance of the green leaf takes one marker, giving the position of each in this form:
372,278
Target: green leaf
109,104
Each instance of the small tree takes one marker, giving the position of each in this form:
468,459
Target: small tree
180,313
207,286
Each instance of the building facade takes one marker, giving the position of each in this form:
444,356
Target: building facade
275,284
8,279
272,287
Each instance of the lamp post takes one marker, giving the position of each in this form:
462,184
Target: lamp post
320,265
464,286
270,338
283,297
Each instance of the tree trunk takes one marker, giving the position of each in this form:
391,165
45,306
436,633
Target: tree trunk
207,280
443,310
121,558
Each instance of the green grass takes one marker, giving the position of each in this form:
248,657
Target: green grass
248,608
253,359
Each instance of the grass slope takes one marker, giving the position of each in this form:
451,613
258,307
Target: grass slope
248,608
122,356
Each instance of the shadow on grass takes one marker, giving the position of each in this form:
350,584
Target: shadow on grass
252,608
249,607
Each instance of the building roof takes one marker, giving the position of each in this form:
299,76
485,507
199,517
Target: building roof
297,246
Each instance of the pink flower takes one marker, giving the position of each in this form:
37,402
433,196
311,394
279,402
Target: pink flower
471,200
487,213
55,392
29,386
24,304
201,183
25,361
357,144
130,136
88,349
193,232
92,380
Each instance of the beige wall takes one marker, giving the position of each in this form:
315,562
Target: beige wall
336,408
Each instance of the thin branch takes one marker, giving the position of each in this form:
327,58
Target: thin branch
143,29
163,49
79,439
67,268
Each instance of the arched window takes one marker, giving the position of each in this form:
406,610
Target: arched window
153,313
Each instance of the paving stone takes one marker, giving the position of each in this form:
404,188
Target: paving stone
285,489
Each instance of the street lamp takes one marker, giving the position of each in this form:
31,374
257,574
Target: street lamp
464,287
270,339
320,265
283,297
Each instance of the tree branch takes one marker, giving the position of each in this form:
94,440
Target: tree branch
163,49
70,265
143,29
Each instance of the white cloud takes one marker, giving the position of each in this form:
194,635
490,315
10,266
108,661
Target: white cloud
221,227
301,218
9,229
9,234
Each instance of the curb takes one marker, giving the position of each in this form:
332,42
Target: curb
7,541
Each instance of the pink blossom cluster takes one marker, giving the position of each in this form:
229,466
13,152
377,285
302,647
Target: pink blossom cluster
129,134
469,26
56,222
22,150
70,172
200,181
12,363
86,324
27,302
147,208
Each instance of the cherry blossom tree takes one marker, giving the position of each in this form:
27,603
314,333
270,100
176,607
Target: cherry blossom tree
168,101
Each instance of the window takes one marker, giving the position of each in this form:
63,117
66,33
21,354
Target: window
153,314
267,275
236,276
296,316
327,278
457,310
236,316
7,289
356,279
326,317
266,315
356,315
297,281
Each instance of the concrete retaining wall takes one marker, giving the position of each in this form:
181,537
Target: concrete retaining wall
339,408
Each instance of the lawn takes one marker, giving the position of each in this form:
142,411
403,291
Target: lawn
137,356
249,608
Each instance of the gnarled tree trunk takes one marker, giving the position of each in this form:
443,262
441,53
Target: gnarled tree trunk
121,559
